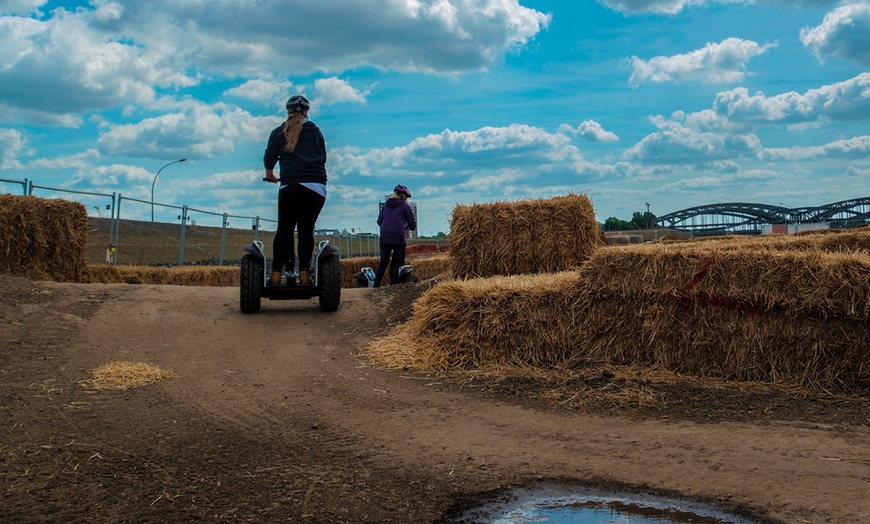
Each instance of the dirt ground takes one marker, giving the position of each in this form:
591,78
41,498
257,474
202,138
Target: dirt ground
277,417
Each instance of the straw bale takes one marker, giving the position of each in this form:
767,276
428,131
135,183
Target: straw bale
810,282
217,276
733,310
42,239
435,266
822,354
468,324
524,237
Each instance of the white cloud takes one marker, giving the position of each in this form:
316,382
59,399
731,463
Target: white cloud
670,7
683,142
714,63
726,130
300,36
855,147
111,176
843,101
858,172
12,146
458,156
121,51
21,7
51,69
845,32
188,129
81,160
591,131
264,90
335,91
673,7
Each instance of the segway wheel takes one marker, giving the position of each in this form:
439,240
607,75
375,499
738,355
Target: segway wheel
330,284
250,284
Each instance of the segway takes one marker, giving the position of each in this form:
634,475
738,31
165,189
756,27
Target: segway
365,277
325,283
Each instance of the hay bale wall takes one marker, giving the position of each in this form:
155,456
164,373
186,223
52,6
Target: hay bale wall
525,237
42,239
768,310
744,314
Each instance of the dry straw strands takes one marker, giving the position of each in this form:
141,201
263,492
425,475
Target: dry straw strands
514,321
782,310
529,236
435,266
767,310
125,375
42,239
179,276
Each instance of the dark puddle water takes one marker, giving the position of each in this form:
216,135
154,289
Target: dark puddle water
557,504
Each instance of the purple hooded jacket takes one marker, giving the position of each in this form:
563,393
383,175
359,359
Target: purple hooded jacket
393,218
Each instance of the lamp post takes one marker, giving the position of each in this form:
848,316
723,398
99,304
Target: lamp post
155,181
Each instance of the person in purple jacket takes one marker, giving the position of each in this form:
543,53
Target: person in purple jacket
394,219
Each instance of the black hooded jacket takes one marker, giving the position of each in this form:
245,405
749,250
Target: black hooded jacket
306,163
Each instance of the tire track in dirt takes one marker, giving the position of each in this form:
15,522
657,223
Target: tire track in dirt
292,372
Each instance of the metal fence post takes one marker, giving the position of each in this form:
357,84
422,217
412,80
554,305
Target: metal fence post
183,229
117,231
109,259
224,238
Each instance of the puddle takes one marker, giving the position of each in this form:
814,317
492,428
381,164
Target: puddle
558,504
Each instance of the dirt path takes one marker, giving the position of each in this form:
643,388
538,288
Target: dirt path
275,417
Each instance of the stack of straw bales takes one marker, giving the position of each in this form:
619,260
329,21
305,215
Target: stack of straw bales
749,313
42,239
786,309
525,237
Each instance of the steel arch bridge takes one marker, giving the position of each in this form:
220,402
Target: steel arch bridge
748,219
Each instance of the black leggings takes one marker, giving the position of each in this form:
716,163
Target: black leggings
398,251
297,205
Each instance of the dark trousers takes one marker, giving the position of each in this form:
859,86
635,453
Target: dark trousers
299,207
398,260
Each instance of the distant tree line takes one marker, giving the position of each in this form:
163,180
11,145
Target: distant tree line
639,220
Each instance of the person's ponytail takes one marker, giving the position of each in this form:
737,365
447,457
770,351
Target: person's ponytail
292,128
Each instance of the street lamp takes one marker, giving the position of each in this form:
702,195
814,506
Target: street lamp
155,181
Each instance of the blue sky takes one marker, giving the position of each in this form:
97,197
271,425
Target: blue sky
677,103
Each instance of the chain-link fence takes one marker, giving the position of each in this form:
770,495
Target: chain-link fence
200,236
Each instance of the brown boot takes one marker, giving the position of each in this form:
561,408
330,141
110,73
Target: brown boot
305,277
275,278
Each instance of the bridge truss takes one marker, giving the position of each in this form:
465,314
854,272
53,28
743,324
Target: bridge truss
748,219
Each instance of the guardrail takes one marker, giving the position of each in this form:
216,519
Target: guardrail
209,228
